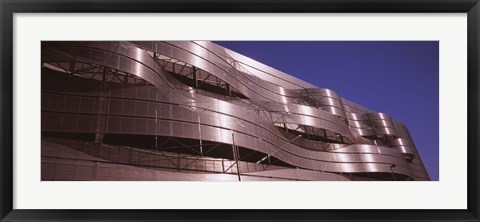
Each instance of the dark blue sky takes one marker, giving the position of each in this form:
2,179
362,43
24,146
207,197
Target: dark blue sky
399,78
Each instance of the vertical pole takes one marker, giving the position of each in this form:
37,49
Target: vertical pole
229,92
200,134
156,120
178,162
104,78
391,168
284,123
235,155
102,103
195,76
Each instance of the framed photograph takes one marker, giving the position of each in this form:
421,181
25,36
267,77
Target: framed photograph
251,111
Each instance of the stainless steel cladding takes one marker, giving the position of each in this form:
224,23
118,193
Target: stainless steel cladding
193,110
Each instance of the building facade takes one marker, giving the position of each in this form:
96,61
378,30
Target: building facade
193,110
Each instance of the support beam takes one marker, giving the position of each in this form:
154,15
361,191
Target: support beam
104,78
102,104
229,92
195,76
235,155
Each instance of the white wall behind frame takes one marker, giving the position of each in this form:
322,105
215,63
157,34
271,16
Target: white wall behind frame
448,193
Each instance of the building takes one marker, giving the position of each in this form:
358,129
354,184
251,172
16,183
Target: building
193,110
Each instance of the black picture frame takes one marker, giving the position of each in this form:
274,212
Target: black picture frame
9,7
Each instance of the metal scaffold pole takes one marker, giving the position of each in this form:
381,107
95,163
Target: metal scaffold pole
101,109
235,155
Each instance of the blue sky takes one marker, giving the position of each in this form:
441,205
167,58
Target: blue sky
399,78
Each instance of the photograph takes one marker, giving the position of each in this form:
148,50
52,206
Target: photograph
240,111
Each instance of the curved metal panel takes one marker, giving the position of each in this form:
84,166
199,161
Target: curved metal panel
286,118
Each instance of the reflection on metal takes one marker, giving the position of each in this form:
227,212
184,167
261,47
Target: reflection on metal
166,111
